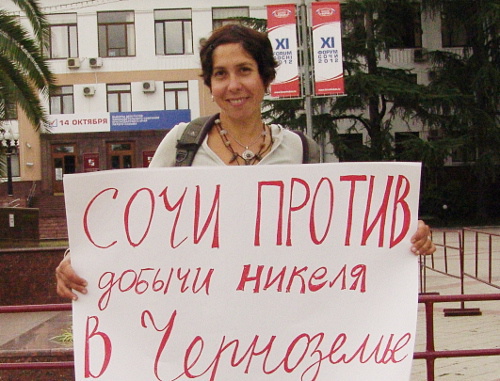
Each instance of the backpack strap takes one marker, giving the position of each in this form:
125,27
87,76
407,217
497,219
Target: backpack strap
191,139
197,130
310,149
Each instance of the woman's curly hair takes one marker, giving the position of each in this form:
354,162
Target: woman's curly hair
256,43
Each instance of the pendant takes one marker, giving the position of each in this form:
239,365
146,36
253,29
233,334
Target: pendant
247,155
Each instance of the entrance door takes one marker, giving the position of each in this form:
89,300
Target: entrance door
63,162
121,155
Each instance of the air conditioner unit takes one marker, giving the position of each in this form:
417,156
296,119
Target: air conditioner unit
89,91
148,86
95,62
420,55
73,63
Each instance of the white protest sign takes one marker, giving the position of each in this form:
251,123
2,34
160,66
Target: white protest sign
262,273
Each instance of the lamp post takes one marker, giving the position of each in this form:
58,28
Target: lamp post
10,141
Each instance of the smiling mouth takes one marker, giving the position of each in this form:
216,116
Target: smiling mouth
236,102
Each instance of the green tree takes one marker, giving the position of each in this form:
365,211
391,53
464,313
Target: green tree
470,114
24,73
460,105
375,95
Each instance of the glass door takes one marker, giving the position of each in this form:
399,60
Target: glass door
120,155
63,162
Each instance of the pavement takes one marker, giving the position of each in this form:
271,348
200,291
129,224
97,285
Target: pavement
37,331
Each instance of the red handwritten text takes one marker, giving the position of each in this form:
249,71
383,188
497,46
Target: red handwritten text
152,209
305,354
303,278
325,188
154,280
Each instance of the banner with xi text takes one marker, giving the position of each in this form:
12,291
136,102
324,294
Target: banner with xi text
282,31
327,43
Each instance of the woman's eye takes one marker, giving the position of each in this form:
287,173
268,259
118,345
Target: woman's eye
218,74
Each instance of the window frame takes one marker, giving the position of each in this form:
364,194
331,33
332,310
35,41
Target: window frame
453,33
352,141
186,31
218,22
182,88
413,31
71,35
400,140
11,112
127,33
120,93
62,96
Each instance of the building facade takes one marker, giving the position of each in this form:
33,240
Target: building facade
127,71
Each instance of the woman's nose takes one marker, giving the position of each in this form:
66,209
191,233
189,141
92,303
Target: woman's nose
234,83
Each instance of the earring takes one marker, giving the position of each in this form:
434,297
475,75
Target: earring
212,97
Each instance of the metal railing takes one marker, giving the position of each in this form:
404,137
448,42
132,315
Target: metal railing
12,203
456,260
490,246
31,195
430,355
442,265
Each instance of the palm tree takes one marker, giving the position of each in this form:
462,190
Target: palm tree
24,73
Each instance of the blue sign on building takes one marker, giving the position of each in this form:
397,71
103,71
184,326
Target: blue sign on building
148,120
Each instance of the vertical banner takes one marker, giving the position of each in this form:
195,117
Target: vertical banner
327,43
282,30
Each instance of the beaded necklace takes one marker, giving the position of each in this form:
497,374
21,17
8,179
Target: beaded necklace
247,156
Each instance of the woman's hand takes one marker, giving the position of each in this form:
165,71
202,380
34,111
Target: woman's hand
68,281
421,241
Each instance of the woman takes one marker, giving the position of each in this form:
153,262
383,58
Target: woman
237,66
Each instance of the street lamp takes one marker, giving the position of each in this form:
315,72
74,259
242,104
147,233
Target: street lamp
11,142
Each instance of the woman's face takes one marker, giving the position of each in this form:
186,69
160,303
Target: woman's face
236,83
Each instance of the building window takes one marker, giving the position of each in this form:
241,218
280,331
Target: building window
350,147
63,36
121,155
464,154
173,31
119,97
10,110
352,24
61,100
406,25
116,34
223,16
402,142
176,95
453,32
